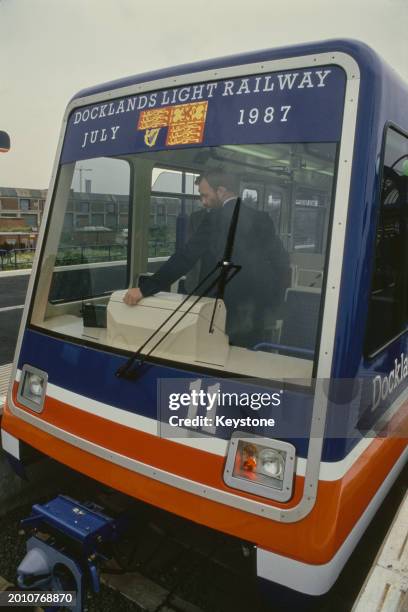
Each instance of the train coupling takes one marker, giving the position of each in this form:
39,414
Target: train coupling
68,542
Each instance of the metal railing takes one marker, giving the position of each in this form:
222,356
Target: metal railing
17,259
158,248
90,253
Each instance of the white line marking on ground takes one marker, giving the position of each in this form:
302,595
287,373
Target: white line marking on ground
6,308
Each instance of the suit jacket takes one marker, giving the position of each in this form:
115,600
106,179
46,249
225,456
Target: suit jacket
259,285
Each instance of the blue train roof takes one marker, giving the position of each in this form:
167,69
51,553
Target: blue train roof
367,59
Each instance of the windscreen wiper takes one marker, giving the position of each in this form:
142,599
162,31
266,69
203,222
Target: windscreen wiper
225,266
228,269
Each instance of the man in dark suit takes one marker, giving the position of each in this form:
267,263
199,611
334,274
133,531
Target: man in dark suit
259,285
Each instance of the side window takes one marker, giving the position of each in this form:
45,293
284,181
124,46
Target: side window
250,197
174,198
309,221
388,312
273,206
91,254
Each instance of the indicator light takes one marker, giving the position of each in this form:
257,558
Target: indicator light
260,465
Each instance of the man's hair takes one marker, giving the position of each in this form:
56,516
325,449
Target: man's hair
219,178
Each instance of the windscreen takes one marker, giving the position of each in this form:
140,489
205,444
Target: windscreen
159,190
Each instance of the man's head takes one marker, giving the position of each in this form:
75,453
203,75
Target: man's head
215,187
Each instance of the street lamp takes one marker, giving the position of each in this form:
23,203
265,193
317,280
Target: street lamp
4,142
81,170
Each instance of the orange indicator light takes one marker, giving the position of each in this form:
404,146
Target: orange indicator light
248,460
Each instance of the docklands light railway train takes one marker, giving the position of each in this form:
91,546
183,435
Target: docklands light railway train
259,386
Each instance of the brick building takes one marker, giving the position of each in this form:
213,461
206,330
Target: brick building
21,212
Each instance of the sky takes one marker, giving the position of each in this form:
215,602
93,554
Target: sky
50,49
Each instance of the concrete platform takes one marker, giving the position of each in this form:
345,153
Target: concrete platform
386,587
5,373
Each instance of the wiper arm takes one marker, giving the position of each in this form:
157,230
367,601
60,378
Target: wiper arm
225,266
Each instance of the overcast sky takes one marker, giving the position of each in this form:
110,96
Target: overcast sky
49,49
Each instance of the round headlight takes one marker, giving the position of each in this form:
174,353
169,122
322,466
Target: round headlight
271,463
36,385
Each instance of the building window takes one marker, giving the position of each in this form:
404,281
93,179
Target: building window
82,207
68,221
82,220
30,220
123,221
24,204
98,207
388,312
97,220
111,221
9,204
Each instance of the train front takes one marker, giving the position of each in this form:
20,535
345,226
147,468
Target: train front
215,193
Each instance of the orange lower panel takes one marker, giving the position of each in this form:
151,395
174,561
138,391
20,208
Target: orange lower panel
315,539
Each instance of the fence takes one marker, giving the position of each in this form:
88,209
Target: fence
17,259
90,253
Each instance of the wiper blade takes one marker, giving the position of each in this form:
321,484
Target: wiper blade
225,266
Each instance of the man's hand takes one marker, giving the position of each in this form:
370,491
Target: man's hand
133,296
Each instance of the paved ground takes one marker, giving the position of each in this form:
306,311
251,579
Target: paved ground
9,325
12,295
13,290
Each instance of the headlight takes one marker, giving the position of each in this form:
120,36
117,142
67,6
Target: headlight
272,463
261,466
36,385
31,390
